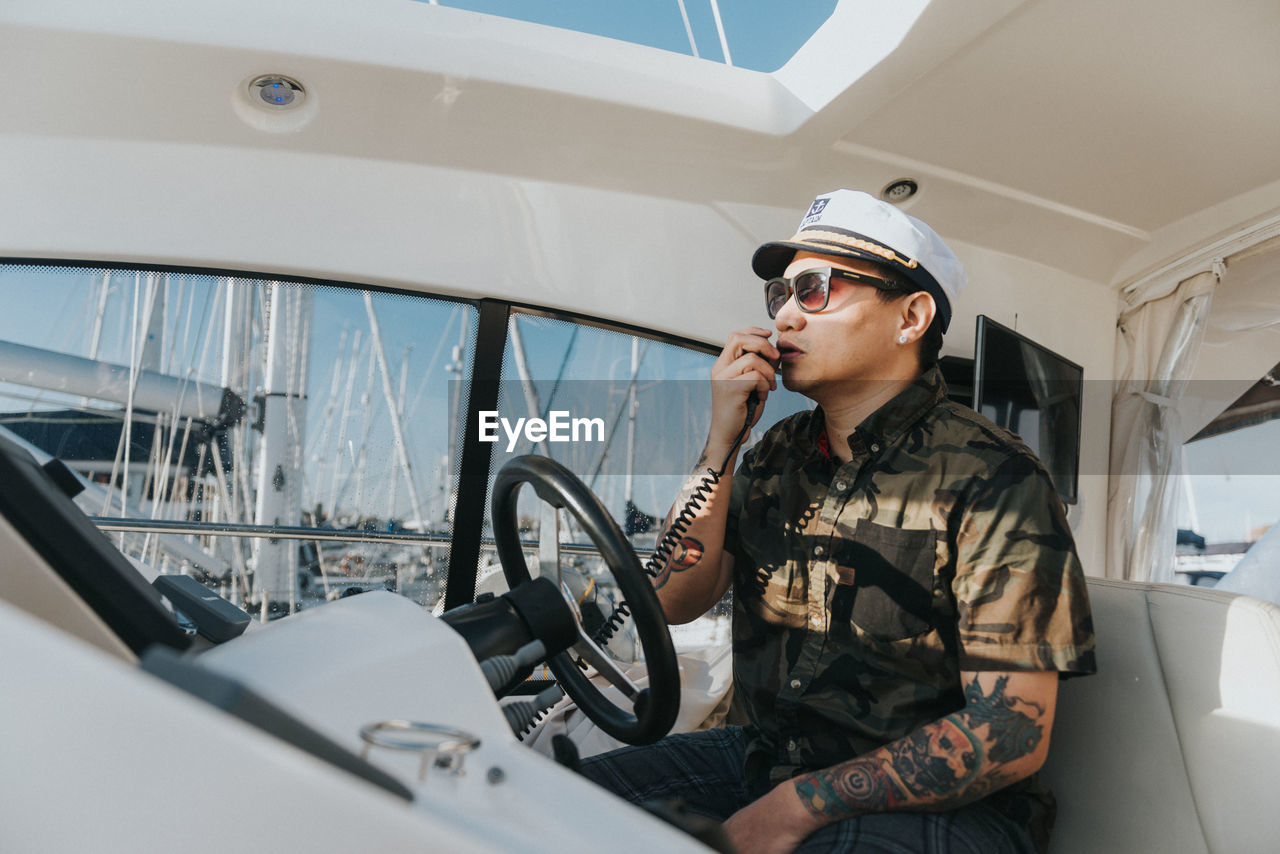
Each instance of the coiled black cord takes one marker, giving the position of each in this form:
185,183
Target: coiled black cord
679,525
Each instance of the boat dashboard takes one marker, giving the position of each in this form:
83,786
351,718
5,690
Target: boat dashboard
368,721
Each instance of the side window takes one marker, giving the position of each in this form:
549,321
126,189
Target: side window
206,413
629,416
1228,534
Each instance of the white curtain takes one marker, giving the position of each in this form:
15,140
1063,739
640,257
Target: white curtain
1157,344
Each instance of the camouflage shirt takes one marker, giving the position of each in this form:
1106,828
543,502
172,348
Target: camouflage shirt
863,589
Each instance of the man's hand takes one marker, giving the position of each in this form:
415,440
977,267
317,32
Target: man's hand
775,824
745,364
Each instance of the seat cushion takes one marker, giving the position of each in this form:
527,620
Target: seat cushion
1221,658
1115,761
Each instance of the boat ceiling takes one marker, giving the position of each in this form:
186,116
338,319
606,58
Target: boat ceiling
1100,138
1131,116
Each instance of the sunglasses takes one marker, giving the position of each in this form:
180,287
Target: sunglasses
813,288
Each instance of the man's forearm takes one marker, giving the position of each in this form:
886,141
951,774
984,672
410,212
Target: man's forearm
689,581
994,741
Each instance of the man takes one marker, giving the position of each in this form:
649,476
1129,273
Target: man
906,588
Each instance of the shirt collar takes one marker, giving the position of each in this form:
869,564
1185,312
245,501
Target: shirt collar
891,420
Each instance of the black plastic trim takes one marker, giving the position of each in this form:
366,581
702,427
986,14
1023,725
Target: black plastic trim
57,529
473,479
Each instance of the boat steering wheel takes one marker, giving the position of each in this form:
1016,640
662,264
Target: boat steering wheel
655,707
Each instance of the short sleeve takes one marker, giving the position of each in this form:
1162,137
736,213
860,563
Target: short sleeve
1020,590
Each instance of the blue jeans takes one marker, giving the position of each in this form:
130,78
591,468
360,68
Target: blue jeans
705,770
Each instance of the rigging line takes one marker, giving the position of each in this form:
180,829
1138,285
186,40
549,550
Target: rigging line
626,401
404,388
205,335
397,429
123,442
564,362
320,444
164,464
426,374
162,346
104,292
245,368
135,370
342,424
239,572
688,30
171,357
165,487
149,484
724,42
182,455
366,428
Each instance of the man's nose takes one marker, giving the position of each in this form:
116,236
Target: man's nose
789,316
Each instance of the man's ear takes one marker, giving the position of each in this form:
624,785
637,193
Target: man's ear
917,313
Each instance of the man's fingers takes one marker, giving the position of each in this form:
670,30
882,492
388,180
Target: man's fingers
753,340
745,364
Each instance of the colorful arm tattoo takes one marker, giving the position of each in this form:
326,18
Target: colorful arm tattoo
688,551
940,766
686,555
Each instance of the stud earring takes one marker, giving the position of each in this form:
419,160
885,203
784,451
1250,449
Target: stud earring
902,339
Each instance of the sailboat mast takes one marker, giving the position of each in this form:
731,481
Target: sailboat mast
279,459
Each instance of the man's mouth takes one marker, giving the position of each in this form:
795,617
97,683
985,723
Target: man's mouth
788,352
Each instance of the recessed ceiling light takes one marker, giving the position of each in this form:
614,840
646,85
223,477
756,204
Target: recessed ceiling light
899,191
277,91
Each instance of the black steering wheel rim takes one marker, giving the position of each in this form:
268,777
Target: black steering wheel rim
657,705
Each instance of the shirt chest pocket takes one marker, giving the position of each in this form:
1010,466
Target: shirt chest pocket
891,570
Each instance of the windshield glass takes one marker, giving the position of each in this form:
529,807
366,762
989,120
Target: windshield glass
203,412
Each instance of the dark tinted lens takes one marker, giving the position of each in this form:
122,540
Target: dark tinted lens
775,296
811,290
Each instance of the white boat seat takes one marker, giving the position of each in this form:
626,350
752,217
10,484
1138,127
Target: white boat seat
1174,745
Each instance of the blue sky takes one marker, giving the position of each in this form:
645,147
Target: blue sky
762,34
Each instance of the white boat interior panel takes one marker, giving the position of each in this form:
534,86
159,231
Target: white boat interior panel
1171,745
142,759
1221,659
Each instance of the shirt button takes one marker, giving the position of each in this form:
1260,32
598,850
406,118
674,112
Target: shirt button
795,684
840,485
819,551
875,449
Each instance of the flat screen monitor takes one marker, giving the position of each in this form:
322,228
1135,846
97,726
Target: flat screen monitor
1034,392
